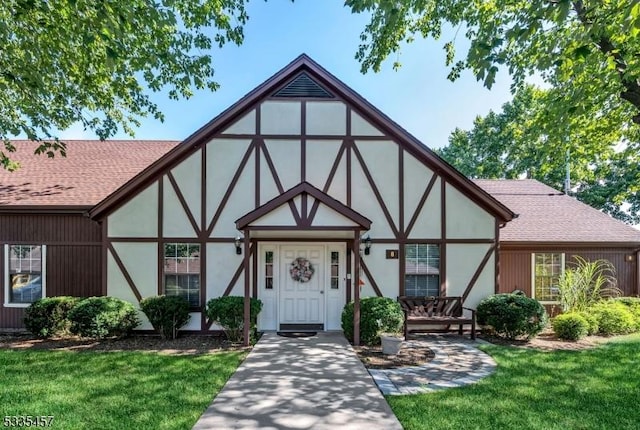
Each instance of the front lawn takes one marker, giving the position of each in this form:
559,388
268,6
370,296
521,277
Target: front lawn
591,389
119,390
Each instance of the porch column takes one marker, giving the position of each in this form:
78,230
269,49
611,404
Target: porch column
247,289
356,288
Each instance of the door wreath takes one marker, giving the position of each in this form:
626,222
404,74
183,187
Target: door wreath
301,270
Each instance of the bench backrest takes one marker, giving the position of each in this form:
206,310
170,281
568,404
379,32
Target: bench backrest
431,306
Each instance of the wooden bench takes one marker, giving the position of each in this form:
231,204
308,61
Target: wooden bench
435,310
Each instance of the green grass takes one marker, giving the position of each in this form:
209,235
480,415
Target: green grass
119,390
531,389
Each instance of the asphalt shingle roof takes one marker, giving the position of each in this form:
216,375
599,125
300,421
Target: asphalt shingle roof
547,215
91,171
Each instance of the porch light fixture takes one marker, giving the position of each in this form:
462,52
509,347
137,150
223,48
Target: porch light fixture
238,244
367,245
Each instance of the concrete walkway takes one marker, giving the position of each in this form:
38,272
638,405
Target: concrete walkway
300,383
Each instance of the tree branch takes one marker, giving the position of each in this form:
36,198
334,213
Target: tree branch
631,91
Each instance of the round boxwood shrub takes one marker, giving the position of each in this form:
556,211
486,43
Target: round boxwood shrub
48,316
377,315
592,321
101,317
613,318
228,313
570,326
167,314
512,315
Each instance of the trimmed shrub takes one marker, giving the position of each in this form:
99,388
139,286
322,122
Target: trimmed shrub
167,314
570,326
592,320
633,304
613,318
512,315
228,313
377,315
49,316
101,317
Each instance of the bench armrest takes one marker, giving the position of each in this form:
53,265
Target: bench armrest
473,311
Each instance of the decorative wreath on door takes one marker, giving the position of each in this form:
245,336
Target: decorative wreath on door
301,270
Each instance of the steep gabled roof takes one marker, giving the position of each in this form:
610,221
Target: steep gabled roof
91,172
303,65
549,216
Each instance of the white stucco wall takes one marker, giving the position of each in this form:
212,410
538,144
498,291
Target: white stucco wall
245,125
138,217
321,155
188,176
280,117
462,262
175,222
384,271
326,118
362,127
223,159
465,219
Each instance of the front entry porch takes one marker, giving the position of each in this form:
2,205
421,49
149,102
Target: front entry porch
302,259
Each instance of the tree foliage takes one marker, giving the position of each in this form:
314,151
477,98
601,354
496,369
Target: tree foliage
523,140
589,49
93,62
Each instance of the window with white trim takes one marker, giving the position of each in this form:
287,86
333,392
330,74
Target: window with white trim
422,270
24,274
547,268
182,271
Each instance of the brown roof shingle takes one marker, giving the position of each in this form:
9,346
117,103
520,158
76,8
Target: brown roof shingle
547,215
91,171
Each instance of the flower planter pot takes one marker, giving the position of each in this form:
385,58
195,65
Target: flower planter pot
391,344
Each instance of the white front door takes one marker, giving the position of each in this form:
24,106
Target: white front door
302,302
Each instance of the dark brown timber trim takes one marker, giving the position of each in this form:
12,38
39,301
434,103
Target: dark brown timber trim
374,285
375,190
327,184
160,286
124,271
349,144
234,279
303,142
257,178
231,187
105,255
276,178
478,272
402,267
443,234
203,286
356,289
247,290
421,203
183,203
403,233
496,258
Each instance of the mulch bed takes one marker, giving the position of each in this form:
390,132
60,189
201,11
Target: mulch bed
547,341
184,345
373,358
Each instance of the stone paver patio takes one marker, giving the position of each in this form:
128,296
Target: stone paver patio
457,362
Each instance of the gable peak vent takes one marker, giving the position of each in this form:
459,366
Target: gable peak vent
303,86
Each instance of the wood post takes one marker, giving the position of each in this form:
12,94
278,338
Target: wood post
247,290
356,288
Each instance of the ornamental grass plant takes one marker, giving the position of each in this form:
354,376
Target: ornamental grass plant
586,283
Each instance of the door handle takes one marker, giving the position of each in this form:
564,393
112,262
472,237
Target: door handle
321,291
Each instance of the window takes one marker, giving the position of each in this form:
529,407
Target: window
335,270
547,269
268,270
25,269
182,271
422,270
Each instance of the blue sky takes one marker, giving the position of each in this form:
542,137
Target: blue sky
418,96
